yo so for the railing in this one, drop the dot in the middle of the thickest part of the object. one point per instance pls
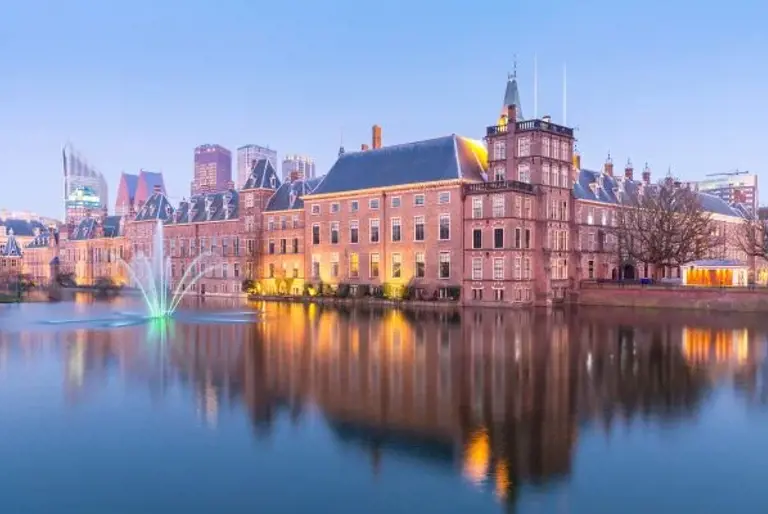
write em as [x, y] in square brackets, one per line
[496, 130]
[544, 125]
[498, 186]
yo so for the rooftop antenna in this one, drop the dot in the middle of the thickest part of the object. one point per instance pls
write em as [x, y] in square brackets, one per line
[535, 88]
[565, 97]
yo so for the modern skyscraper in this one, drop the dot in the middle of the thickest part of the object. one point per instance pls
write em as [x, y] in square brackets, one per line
[249, 155]
[734, 187]
[85, 189]
[213, 169]
[298, 167]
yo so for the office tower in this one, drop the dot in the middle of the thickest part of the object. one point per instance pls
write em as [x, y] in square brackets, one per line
[134, 190]
[213, 169]
[85, 189]
[735, 187]
[298, 167]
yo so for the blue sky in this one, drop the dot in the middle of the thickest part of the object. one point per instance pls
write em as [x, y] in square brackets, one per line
[139, 84]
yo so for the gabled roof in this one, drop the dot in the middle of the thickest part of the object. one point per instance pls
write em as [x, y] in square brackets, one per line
[40, 241]
[23, 228]
[157, 207]
[111, 226]
[86, 229]
[208, 207]
[444, 158]
[131, 182]
[263, 176]
[290, 195]
[11, 248]
[152, 180]
[597, 186]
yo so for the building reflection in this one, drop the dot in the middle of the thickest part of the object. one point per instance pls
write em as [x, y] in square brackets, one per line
[499, 396]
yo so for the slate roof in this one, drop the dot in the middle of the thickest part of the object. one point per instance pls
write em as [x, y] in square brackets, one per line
[40, 241]
[290, 194]
[208, 207]
[157, 207]
[597, 186]
[263, 176]
[86, 229]
[152, 180]
[444, 158]
[23, 227]
[512, 97]
[11, 247]
[111, 226]
[131, 182]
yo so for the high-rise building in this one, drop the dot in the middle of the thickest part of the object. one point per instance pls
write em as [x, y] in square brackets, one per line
[213, 169]
[134, 190]
[85, 189]
[298, 167]
[248, 156]
[735, 187]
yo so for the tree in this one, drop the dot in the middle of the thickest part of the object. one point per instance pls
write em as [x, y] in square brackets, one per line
[751, 238]
[665, 225]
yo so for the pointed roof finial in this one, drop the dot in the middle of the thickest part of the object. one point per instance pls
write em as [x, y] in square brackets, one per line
[629, 162]
[608, 159]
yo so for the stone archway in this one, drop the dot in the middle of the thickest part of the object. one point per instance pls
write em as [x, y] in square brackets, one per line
[628, 272]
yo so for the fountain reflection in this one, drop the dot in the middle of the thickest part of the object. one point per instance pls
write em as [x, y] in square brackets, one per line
[500, 397]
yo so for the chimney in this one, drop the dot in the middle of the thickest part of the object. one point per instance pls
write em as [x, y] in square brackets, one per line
[608, 167]
[363, 147]
[157, 189]
[294, 176]
[628, 170]
[646, 174]
[547, 118]
[376, 137]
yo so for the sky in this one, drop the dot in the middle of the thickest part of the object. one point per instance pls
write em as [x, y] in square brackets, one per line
[138, 84]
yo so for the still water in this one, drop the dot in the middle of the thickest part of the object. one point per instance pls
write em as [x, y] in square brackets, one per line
[318, 409]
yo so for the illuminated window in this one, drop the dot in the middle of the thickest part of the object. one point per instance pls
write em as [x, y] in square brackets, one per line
[354, 265]
[397, 265]
[374, 271]
[445, 265]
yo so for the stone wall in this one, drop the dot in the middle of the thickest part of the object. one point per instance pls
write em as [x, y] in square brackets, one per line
[661, 297]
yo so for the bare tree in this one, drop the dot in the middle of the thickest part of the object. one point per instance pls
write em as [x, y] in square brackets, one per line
[751, 238]
[665, 225]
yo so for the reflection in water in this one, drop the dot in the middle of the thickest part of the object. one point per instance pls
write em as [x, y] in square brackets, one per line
[498, 396]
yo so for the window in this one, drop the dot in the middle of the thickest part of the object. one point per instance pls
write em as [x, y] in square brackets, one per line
[316, 234]
[527, 209]
[545, 147]
[555, 147]
[444, 197]
[420, 270]
[418, 228]
[249, 201]
[527, 268]
[270, 224]
[315, 209]
[564, 181]
[295, 245]
[354, 231]
[545, 173]
[335, 232]
[271, 272]
[295, 221]
[295, 271]
[564, 212]
[498, 206]
[477, 293]
[499, 150]
[374, 271]
[396, 233]
[418, 200]
[524, 172]
[354, 265]
[518, 207]
[564, 150]
[554, 177]
[315, 266]
[477, 268]
[445, 227]
[334, 207]
[498, 238]
[518, 237]
[523, 147]
[397, 265]
[590, 215]
[477, 207]
[527, 244]
[334, 265]
[271, 246]
[283, 222]
[373, 204]
[477, 238]
[236, 270]
[498, 295]
[590, 269]
[445, 265]
[517, 268]
[498, 269]
[283, 245]
[374, 233]
[395, 202]
[354, 206]
[499, 172]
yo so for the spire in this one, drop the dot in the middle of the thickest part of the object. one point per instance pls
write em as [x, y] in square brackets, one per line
[341, 144]
[512, 94]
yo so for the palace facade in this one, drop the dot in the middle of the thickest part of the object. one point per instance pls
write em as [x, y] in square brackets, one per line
[513, 220]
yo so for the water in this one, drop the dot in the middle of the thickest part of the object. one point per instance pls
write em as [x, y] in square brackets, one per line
[316, 409]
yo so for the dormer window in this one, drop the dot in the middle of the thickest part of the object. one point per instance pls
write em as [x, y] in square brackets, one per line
[272, 181]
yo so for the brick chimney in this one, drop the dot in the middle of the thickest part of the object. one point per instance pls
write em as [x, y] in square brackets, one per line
[629, 170]
[157, 189]
[608, 167]
[294, 176]
[363, 147]
[376, 137]
[646, 174]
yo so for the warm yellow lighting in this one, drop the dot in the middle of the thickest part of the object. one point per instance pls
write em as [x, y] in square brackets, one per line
[502, 480]
[477, 456]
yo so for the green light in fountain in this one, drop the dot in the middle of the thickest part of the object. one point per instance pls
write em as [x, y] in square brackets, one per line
[151, 275]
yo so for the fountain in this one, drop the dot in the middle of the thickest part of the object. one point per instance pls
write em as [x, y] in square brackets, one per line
[152, 276]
